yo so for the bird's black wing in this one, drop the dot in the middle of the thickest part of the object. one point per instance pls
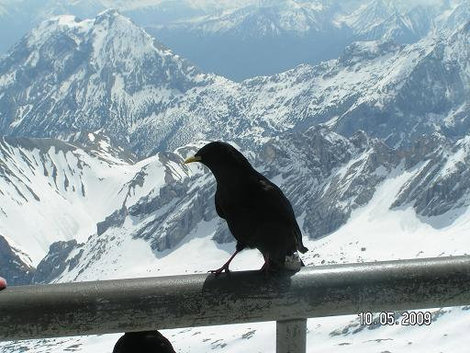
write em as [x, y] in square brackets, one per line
[217, 206]
[280, 200]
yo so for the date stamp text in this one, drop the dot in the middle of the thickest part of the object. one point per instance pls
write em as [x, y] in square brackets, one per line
[390, 318]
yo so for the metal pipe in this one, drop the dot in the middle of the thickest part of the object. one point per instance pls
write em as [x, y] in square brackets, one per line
[198, 300]
[291, 336]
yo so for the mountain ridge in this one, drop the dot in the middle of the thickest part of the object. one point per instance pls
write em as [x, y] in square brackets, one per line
[371, 86]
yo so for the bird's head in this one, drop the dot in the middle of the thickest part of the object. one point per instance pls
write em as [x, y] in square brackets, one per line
[219, 156]
[143, 342]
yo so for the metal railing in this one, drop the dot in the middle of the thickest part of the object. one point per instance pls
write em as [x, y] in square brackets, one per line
[139, 304]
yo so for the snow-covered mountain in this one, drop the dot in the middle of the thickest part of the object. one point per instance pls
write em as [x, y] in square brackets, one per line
[17, 17]
[246, 38]
[87, 75]
[371, 149]
[55, 191]
[272, 36]
[108, 74]
[405, 22]
[96, 195]
[373, 198]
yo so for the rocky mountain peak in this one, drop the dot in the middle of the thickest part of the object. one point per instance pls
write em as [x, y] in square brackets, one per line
[107, 15]
[71, 75]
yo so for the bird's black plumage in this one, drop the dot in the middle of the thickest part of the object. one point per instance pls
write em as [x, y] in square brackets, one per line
[257, 212]
[143, 342]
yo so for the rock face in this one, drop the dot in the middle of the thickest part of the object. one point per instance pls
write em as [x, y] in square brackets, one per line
[441, 183]
[325, 175]
[12, 266]
[56, 261]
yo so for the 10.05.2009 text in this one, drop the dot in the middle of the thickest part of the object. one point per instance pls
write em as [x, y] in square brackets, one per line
[390, 318]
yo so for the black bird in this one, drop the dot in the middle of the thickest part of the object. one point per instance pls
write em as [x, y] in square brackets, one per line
[257, 212]
[143, 342]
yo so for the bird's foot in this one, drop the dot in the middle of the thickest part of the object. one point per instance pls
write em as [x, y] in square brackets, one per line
[267, 264]
[220, 270]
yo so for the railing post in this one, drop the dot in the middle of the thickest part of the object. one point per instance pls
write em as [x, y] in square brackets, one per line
[291, 336]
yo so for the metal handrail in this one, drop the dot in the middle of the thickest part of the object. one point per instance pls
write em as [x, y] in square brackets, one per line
[138, 304]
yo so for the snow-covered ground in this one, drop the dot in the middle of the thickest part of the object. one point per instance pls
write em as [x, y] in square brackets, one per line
[374, 232]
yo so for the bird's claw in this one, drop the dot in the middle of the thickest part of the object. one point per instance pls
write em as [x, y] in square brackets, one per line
[220, 270]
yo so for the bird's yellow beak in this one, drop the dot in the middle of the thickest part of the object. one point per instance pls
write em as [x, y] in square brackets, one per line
[192, 159]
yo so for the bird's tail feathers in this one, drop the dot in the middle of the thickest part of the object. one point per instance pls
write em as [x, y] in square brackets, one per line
[298, 240]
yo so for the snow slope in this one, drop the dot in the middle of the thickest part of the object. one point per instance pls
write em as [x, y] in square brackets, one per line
[374, 233]
[52, 191]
